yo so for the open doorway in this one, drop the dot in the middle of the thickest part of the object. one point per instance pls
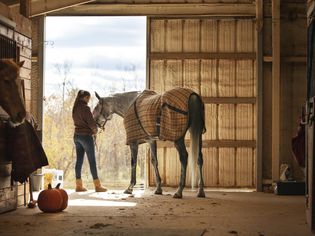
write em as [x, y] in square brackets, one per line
[103, 54]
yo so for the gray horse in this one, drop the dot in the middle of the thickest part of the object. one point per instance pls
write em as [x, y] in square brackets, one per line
[175, 112]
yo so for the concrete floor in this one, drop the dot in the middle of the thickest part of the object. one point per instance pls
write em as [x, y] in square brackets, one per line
[113, 213]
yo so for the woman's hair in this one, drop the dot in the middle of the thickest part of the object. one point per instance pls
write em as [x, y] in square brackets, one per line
[81, 94]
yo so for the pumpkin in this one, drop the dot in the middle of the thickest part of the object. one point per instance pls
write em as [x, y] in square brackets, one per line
[50, 200]
[64, 197]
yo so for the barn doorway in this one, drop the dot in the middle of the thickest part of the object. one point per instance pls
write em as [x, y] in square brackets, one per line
[103, 54]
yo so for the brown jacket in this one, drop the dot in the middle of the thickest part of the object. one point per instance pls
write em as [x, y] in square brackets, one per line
[84, 122]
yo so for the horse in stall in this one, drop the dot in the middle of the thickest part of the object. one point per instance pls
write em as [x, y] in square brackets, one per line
[10, 99]
[24, 147]
[149, 116]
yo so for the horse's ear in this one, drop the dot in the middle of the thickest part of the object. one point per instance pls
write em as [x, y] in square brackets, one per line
[21, 63]
[98, 96]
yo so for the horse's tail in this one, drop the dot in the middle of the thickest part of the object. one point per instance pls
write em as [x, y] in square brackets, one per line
[197, 128]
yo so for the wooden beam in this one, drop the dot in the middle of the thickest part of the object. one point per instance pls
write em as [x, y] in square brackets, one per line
[25, 8]
[213, 143]
[229, 143]
[40, 61]
[259, 92]
[229, 100]
[4, 10]
[297, 59]
[276, 90]
[161, 9]
[267, 58]
[23, 24]
[203, 55]
[11, 3]
[7, 22]
[42, 7]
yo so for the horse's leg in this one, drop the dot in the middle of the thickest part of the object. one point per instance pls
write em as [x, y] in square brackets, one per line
[201, 192]
[183, 156]
[134, 154]
[154, 162]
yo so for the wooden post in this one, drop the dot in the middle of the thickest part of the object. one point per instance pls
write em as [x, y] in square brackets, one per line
[276, 90]
[40, 61]
[259, 88]
[25, 8]
[141, 9]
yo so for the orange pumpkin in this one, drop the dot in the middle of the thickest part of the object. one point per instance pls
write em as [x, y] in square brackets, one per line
[64, 197]
[50, 200]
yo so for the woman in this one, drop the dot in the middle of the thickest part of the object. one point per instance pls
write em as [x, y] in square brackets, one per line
[85, 129]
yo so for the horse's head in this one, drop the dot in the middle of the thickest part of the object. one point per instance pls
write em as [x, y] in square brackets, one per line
[10, 97]
[103, 110]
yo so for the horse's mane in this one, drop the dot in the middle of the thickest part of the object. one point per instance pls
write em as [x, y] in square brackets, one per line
[125, 93]
[8, 63]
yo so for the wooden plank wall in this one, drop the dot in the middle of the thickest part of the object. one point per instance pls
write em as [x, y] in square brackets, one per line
[8, 195]
[292, 82]
[12, 197]
[37, 73]
[216, 58]
[24, 44]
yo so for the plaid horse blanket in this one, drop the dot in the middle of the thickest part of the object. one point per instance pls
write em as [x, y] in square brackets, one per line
[155, 116]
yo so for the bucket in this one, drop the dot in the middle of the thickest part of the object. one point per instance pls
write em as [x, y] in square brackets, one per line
[37, 182]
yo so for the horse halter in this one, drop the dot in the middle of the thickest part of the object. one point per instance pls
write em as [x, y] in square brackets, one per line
[5, 118]
[15, 124]
[101, 113]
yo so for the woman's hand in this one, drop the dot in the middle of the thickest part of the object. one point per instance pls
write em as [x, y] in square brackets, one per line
[94, 131]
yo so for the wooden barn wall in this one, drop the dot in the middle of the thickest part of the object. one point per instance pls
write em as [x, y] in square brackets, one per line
[25, 51]
[216, 58]
[37, 72]
[12, 197]
[293, 82]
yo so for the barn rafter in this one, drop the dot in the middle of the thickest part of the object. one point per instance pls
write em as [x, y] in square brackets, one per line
[148, 8]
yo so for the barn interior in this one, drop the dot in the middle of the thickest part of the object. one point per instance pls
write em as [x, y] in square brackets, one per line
[251, 62]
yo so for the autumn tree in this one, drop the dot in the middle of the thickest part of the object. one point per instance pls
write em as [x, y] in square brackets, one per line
[113, 156]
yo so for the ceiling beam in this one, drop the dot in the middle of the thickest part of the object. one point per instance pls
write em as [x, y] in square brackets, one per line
[25, 8]
[214, 9]
[42, 7]
[10, 3]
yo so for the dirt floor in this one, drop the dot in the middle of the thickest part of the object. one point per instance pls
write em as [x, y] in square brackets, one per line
[114, 213]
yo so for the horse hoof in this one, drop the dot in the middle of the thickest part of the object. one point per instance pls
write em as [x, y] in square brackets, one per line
[158, 192]
[201, 194]
[127, 191]
[177, 195]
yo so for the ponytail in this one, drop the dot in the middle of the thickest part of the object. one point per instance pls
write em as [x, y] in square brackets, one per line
[81, 94]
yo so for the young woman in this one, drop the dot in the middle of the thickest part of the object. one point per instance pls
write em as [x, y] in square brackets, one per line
[85, 129]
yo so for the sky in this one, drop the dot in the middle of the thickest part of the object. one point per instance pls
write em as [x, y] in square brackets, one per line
[105, 54]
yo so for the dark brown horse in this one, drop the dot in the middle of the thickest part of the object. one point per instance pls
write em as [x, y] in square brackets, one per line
[10, 98]
[175, 112]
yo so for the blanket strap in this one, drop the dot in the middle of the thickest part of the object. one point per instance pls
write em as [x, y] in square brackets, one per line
[138, 119]
[174, 108]
[158, 123]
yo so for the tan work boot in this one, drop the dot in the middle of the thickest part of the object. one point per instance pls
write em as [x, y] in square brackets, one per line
[79, 186]
[98, 186]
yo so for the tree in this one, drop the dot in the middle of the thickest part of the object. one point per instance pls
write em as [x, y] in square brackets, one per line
[113, 156]
[63, 70]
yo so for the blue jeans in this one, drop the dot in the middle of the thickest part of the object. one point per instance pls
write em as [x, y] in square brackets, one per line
[85, 144]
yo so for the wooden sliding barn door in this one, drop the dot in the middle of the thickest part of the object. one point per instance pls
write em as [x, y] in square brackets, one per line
[216, 58]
